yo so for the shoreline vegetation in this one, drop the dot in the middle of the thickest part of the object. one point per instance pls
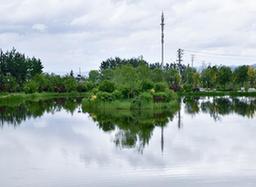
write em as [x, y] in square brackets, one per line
[7, 99]
[15, 99]
[121, 84]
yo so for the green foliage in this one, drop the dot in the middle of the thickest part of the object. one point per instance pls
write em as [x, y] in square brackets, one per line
[19, 66]
[157, 75]
[124, 78]
[117, 95]
[146, 97]
[187, 88]
[31, 87]
[107, 74]
[107, 86]
[166, 96]
[94, 76]
[241, 75]
[172, 78]
[70, 84]
[81, 87]
[8, 84]
[89, 85]
[125, 92]
[160, 87]
[209, 77]
[116, 62]
[104, 96]
[147, 85]
[127, 80]
[144, 100]
[224, 76]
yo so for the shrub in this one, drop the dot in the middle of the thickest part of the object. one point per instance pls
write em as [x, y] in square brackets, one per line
[164, 96]
[117, 94]
[31, 87]
[160, 87]
[143, 100]
[81, 87]
[124, 92]
[187, 88]
[104, 96]
[136, 103]
[89, 85]
[147, 85]
[107, 86]
[70, 84]
[146, 97]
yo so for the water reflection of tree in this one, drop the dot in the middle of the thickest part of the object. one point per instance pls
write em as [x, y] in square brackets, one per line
[192, 105]
[221, 106]
[15, 115]
[132, 129]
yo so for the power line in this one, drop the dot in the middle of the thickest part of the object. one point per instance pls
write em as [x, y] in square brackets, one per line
[203, 53]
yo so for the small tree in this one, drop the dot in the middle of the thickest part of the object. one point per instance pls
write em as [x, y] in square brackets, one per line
[107, 86]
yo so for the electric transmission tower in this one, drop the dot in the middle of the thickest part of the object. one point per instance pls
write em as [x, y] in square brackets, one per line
[162, 38]
[180, 55]
[192, 60]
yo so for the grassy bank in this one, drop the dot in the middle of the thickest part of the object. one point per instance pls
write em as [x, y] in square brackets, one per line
[19, 98]
[218, 93]
[7, 99]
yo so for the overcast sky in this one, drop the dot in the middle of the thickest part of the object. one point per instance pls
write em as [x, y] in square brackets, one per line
[69, 34]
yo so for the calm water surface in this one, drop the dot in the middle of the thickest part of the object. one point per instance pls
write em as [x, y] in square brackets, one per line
[207, 142]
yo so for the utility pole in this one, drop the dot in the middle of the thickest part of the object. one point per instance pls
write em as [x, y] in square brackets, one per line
[162, 139]
[162, 38]
[180, 55]
[80, 73]
[162, 65]
[192, 60]
[179, 60]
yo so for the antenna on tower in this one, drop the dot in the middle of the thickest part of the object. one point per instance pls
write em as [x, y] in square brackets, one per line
[162, 38]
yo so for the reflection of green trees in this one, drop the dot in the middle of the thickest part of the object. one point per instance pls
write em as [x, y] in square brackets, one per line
[191, 105]
[222, 106]
[133, 129]
[15, 115]
[245, 107]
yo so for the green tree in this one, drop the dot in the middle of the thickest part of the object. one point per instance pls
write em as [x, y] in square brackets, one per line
[224, 76]
[70, 84]
[209, 77]
[241, 75]
[126, 78]
[94, 76]
[107, 86]
[252, 76]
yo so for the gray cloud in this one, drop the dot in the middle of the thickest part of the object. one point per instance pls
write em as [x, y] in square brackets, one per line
[67, 35]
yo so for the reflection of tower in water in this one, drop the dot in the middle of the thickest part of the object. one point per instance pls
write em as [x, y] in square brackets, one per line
[162, 139]
[179, 115]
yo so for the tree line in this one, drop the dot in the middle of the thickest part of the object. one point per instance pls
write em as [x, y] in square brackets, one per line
[124, 78]
[16, 69]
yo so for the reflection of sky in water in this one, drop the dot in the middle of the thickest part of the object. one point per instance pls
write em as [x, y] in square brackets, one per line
[65, 150]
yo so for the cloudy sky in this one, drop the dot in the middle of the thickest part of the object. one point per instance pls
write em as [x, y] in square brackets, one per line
[81, 33]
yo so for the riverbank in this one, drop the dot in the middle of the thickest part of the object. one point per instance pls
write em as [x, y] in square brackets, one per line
[19, 98]
[218, 93]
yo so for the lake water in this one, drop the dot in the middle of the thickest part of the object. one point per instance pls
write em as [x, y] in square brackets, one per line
[55, 143]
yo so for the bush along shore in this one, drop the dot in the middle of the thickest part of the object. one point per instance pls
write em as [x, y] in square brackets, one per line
[154, 99]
